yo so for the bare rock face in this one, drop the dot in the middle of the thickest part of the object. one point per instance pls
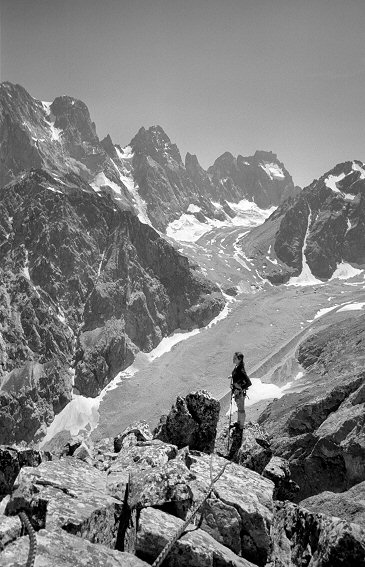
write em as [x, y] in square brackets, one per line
[254, 451]
[10, 530]
[240, 490]
[320, 431]
[60, 549]
[196, 548]
[12, 459]
[301, 537]
[192, 421]
[348, 505]
[76, 499]
[83, 284]
[278, 470]
[261, 178]
[139, 431]
[328, 216]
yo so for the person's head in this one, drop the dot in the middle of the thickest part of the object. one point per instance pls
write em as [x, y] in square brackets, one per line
[237, 357]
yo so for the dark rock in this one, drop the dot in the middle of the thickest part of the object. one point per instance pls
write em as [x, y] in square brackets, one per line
[348, 505]
[254, 451]
[192, 421]
[331, 221]
[12, 459]
[320, 431]
[139, 431]
[278, 471]
[261, 178]
[83, 453]
[315, 539]
[26, 499]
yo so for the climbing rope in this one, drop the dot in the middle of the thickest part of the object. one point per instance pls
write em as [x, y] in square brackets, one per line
[32, 539]
[188, 520]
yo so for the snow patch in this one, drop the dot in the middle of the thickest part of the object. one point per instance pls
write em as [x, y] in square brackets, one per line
[55, 132]
[26, 266]
[322, 312]
[126, 177]
[193, 209]
[306, 277]
[345, 271]
[124, 153]
[273, 170]
[82, 412]
[54, 190]
[352, 306]
[189, 229]
[358, 167]
[332, 180]
[257, 392]
[101, 180]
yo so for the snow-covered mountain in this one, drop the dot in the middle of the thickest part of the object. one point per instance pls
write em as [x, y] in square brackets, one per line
[316, 234]
[147, 176]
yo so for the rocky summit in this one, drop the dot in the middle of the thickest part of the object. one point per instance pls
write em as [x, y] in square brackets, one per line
[127, 500]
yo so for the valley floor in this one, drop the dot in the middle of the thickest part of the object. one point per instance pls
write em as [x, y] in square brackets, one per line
[267, 326]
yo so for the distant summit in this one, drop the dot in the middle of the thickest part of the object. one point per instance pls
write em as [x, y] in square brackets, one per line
[147, 177]
[316, 233]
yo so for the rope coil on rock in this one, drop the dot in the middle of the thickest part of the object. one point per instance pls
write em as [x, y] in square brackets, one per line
[32, 539]
[195, 510]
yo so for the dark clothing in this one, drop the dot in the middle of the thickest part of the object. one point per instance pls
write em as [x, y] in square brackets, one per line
[239, 376]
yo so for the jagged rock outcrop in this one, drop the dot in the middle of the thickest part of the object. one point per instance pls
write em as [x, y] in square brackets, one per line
[60, 549]
[83, 283]
[278, 471]
[320, 431]
[192, 421]
[348, 505]
[126, 506]
[301, 537]
[195, 548]
[323, 227]
[12, 459]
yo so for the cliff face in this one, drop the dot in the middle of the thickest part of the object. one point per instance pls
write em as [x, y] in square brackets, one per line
[321, 429]
[261, 178]
[323, 226]
[83, 284]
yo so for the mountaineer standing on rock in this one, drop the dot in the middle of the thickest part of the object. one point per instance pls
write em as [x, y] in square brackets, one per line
[239, 384]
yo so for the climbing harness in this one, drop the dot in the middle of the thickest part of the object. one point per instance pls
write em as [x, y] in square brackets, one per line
[32, 538]
[188, 520]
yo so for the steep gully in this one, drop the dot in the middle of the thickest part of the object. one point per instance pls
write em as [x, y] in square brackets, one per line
[266, 322]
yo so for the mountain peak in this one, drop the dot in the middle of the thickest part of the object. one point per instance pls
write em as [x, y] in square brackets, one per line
[156, 143]
[265, 155]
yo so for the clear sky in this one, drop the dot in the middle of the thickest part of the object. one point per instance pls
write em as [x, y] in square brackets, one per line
[217, 75]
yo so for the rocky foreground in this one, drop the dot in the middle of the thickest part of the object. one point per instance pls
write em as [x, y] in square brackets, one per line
[121, 501]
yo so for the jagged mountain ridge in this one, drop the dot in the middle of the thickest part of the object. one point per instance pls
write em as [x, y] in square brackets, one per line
[84, 284]
[148, 176]
[323, 226]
